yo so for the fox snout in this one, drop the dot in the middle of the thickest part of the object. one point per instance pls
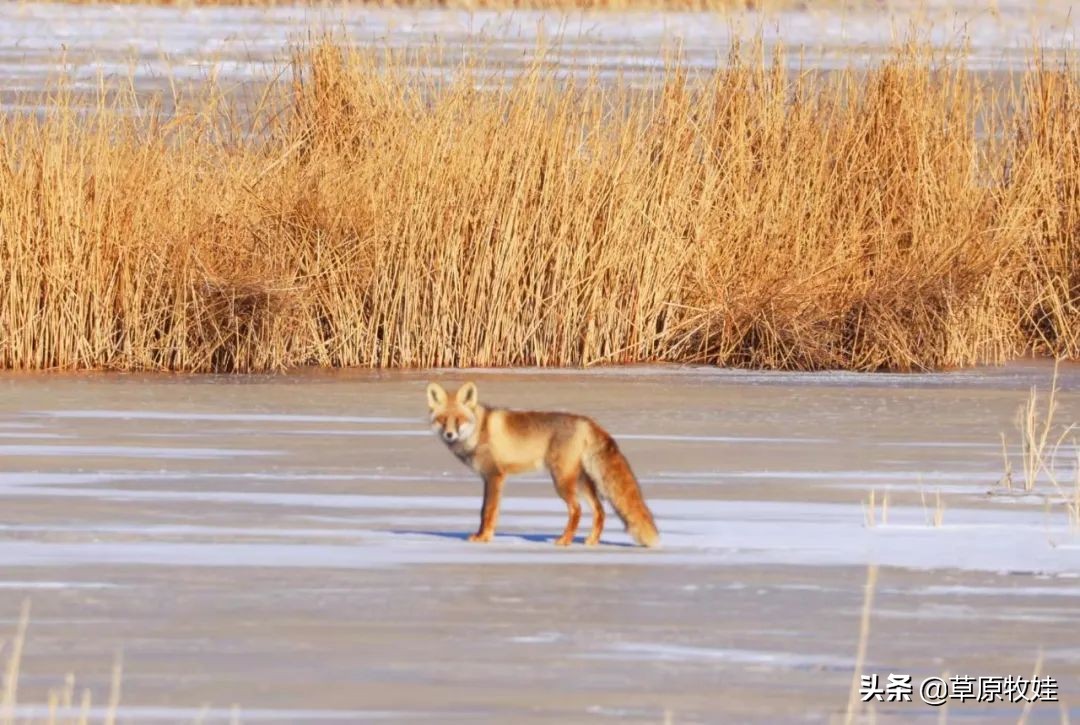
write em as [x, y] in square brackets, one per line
[449, 436]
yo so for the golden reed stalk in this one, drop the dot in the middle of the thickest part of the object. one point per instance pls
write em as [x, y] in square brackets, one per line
[912, 216]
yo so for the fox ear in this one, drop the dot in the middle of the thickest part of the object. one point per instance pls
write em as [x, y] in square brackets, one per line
[436, 396]
[467, 396]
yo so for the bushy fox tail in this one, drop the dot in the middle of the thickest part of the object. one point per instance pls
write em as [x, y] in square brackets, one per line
[608, 468]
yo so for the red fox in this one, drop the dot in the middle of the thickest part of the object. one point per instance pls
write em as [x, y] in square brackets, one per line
[575, 450]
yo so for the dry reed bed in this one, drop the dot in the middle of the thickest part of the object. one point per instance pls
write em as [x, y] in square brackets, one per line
[915, 216]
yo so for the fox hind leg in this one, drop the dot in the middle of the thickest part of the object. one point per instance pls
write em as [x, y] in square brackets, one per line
[597, 511]
[566, 487]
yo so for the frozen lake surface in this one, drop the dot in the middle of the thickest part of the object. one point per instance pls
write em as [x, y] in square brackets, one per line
[294, 545]
[246, 44]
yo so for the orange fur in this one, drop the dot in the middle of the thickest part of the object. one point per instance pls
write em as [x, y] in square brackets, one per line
[576, 451]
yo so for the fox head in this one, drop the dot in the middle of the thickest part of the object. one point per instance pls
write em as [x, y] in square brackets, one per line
[453, 418]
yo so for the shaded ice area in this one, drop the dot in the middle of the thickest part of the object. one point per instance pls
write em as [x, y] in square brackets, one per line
[210, 714]
[240, 44]
[294, 544]
[695, 533]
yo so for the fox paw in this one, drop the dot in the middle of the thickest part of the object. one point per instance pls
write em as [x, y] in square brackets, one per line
[564, 541]
[480, 537]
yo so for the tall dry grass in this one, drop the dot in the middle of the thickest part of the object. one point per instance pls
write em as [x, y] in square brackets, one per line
[1044, 443]
[64, 706]
[912, 216]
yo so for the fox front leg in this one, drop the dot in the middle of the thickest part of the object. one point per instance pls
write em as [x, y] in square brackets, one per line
[489, 513]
